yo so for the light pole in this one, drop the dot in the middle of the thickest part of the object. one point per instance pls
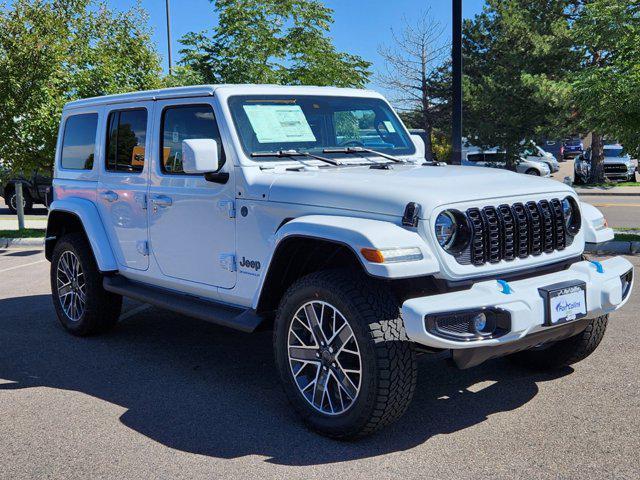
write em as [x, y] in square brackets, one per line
[456, 60]
[169, 37]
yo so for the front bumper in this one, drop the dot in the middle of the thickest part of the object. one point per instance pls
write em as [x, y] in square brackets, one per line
[523, 303]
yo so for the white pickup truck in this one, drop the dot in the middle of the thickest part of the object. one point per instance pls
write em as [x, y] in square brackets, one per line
[312, 211]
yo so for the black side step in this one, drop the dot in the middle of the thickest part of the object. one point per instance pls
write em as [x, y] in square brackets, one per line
[245, 320]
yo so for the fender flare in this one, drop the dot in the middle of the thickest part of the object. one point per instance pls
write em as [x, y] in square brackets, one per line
[592, 219]
[87, 213]
[357, 233]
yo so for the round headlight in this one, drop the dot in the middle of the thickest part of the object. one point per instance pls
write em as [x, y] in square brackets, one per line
[452, 231]
[446, 229]
[571, 213]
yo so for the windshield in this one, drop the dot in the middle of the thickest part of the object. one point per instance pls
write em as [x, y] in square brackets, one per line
[312, 123]
[614, 152]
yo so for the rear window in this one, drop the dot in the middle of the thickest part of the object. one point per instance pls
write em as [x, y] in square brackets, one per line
[78, 143]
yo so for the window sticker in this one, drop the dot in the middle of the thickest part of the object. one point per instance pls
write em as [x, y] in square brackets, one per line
[279, 123]
[389, 126]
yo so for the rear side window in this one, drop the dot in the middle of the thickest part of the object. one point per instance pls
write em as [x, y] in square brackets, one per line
[475, 157]
[78, 143]
[126, 138]
[181, 123]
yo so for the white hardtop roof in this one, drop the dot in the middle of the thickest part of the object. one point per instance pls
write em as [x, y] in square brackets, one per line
[226, 89]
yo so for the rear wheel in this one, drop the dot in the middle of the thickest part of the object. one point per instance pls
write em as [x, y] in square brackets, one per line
[565, 352]
[345, 361]
[83, 306]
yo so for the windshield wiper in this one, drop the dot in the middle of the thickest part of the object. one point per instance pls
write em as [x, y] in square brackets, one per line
[294, 153]
[362, 150]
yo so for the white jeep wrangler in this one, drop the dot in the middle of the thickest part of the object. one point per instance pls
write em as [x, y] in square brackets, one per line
[312, 211]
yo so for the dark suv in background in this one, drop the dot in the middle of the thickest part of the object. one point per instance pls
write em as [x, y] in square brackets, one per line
[34, 190]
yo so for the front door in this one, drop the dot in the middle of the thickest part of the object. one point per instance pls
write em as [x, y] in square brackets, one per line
[191, 220]
[123, 182]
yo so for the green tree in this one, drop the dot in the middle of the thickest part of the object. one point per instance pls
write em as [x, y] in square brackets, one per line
[518, 59]
[606, 87]
[55, 51]
[272, 41]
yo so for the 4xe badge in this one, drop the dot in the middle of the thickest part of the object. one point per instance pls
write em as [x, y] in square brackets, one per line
[251, 264]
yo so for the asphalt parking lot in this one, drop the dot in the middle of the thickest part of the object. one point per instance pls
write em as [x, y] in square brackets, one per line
[170, 397]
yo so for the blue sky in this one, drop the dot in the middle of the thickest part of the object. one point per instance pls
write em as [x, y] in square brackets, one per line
[360, 25]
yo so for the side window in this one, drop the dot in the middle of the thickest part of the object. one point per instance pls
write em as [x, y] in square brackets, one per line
[126, 137]
[78, 142]
[181, 123]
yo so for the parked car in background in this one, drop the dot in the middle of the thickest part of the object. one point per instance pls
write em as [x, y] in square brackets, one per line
[535, 153]
[34, 191]
[572, 148]
[618, 165]
[475, 157]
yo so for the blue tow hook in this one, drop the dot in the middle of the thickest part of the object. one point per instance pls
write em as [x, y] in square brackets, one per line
[506, 289]
[598, 266]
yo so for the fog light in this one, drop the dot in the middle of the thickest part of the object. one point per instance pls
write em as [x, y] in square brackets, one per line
[480, 323]
[468, 325]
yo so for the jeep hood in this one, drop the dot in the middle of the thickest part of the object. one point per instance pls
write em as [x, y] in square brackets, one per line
[387, 192]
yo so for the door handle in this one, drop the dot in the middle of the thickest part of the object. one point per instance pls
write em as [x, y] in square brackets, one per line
[161, 201]
[110, 196]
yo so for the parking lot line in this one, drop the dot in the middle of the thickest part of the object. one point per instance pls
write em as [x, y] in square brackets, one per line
[23, 265]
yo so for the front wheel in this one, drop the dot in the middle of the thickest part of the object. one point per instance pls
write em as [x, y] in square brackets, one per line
[565, 352]
[343, 355]
[533, 171]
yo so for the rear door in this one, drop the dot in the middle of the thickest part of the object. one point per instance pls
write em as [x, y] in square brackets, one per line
[123, 182]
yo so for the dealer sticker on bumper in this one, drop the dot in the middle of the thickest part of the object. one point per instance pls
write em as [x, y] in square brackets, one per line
[564, 302]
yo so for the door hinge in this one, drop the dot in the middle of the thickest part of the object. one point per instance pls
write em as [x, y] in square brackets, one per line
[229, 206]
[143, 247]
[228, 261]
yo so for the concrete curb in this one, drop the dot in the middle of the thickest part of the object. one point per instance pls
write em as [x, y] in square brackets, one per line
[21, 242]
[614, 246]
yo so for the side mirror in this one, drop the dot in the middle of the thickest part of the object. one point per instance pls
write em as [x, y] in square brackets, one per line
[418, 142]
[200, 155]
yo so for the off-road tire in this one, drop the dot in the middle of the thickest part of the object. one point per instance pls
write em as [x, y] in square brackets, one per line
[102, 308]
[11, 200]
[388, 359]
[565, 352]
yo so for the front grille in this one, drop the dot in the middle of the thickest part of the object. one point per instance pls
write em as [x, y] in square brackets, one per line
[615, 168]
[507, 232]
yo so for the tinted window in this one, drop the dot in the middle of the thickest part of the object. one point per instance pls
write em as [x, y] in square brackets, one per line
[182, 123]
[78, 143]
[127, 132]
[475, 157]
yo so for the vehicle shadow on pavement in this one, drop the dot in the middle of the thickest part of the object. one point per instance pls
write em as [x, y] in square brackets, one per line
[202, 389]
